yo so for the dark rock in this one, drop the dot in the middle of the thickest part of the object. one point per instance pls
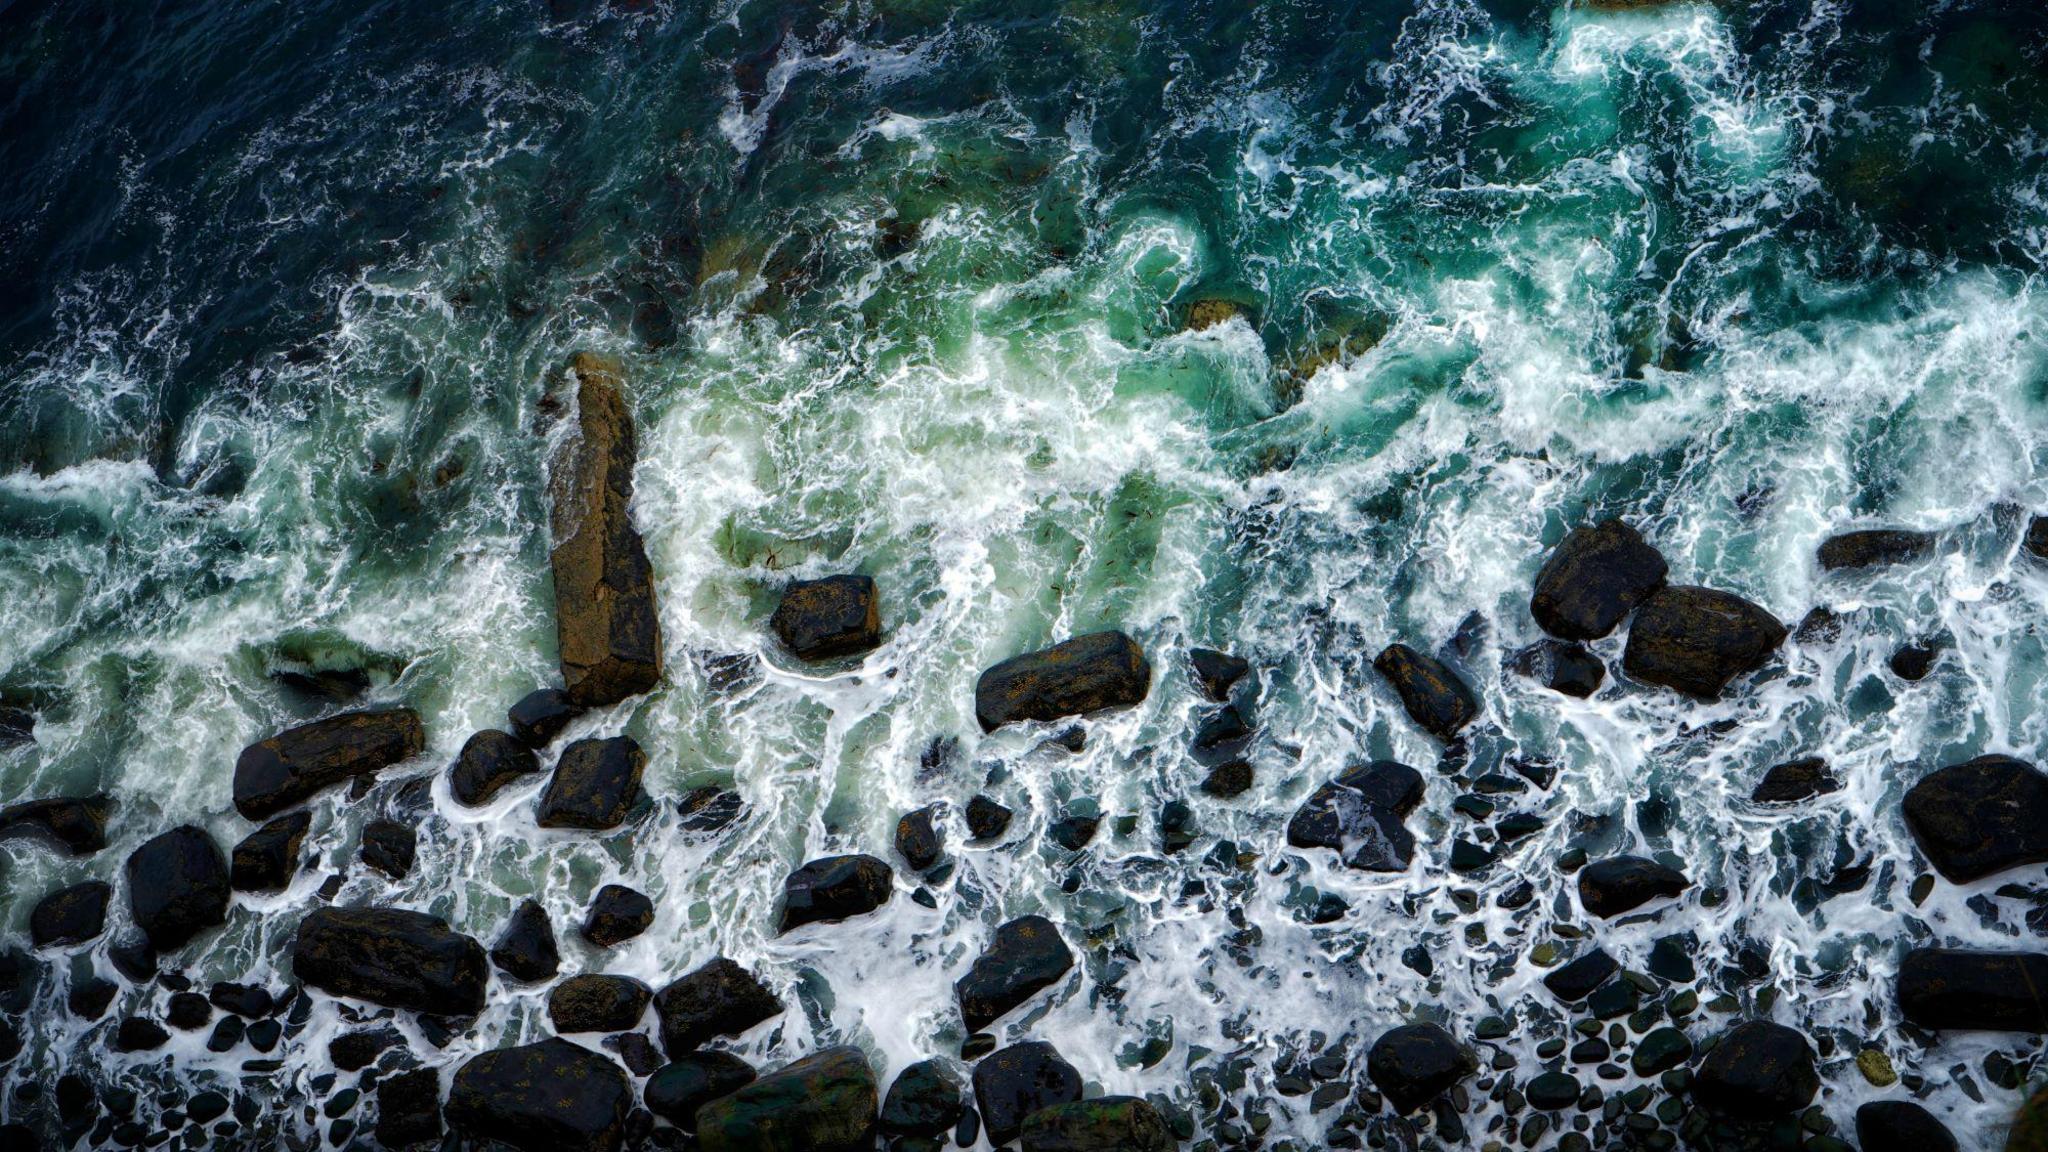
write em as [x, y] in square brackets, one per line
[1660, 1051]
[1980, 817]
[594, 785]
[2036, 539]
[1671, 958]
[925, 1100]
[642, 1056]
[1075, 830]
[134, 958]
[918, 839]
[1621, 884]
[389, 847]
[1012, 1083]
[1432, 694]
[1560, 666]
[829, 618]
[1222, 734]
[606, 625]
[17, 726]
[1943, 988]
[617, 914]
[1593, 579]
[251, 1000]
[1902, 1126]
[1696, 640]
[1874, 547]
[90, 998]
[70, 915]
[1082, 675]
[1229, 779]
[354, 1051]
[710, 808]
[1216, 672]
[1795, 780]
[1552, 1091]
[136, 1034]
[526, 948]
[268, 858]
[1360, 814]
[290, 767]
[540, 716]
[1415, 1063]
[1026, 956]
[392, 957]
[1104, 1124]
[1913, 662]
[987, 819]
[1177, 827]
[553, 1096]
[323, 685]
[824, 1102]
[718, 999]
[1575, 981]
[208, 1106]
[177, 886]
[409, 1108]
[77, 826]
[598, 1003]
[187, 1011]
[489, 760]
[2030, 1125]
[677, 1089]
[1758, 1071]
[834, 888]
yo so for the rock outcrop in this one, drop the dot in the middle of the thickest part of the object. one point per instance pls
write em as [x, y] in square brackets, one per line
[1104, 1124]
[1621, 884]
[1012, 1083]
[824, 1102]
[1216, 673]
[1696, 640]
[1026, 956]
[925, 1100]
[918, 839]
[1874, 548]
[526, 949]
[71, 915]
[289, 768]
[617, 914]
[553, 1096]
[1415, 1063]
[1980, 817]
[830, 618]
[177, 886]
[266, 860]
[1795, 780]
[834, 888]
[1900, 1126]
[1082, 675]
[393, 957]
[540, 716]
[1593, 579]
[596, 1002]
[680, 1087]
[79, 826]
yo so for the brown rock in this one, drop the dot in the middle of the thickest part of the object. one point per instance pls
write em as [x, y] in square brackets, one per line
[1082, 675]
[829, 618]
[290, 767]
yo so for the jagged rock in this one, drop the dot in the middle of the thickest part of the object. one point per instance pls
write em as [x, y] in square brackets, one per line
[2036, 539]
[710, 808]
[594, 785]
[177, 886]
[268, 858]
[987, 819]
[834, 888]
[1076, 828]
[1026, 956]
[1012, 1083]
[90, 998]
[918, 839]
[1758, 1071]
[1980, 817]
[718, 999]
[1795, 780]
[1361, 814]
[1696, 640]
[290, 767]
[541, 715]
[1104, 1124]
[605, 620]
[1621, 884]
[1223, 734]
[598, 1003]
[1433, 695]
[409, 1108]
[70, 915]
[1992, 991]
[1561, 666]
[1082, 675]
[1874, 547]
[553, 1096]
[1229, 779]
[1216, 673]
[824, 1102]
[1900, 1126]
[389, 847]
[829, 618]
[1575, 981]
[526, 949]
[1415, 1063]
[77, 826]
[392, 957]
[1593, 579]
[925, 1100]
[134, 958]
[355, 1051]
[677, 1089]
[617, 914]
[489, 760]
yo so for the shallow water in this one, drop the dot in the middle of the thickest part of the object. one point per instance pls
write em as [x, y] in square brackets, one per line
[901, 288]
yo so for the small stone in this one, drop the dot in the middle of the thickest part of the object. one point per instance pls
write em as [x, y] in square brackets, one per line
[986, 819]
[918, 840]
[1876, 1068]
[617, 915]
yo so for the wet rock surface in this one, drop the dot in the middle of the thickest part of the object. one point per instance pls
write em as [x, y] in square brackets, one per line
[1433, 695]
[918, 839]
[389, 847]
[1900, 1126]
[1104, 1124]
[1980, 817]
[1964, 989]
[827, 619]
[1757, 1071]
[1024, 957]
[617, 914]
[393, 957]
[925, 1100]
[596, 1002]
[1416, 1063]
[1795, 780]
[540, 716]
[266, 860]
[718, 999]
[677, 1089]
[1697, 640]
[71, 915]
[1874, 548]
[526, 949]
[1361, 814]
[594, 786]
[490, 760]
[1012, 1083]
[295, 765]
[1073, 678]
[1621, 884]
[824, 1102]
[1216, 673]
[1593, 579]
[542, 1097]
[835, 888]
[409, 1108]
[1565, 668]
[76, 826]
[177, 886]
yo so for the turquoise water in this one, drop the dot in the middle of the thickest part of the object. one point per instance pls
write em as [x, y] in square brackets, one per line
[909, 289]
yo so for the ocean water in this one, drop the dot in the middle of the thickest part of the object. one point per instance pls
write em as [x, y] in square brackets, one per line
[905, 289]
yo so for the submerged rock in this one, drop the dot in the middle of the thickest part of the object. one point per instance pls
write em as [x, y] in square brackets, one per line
[1874, 547]
[389, 847]
[1795, 780]
[1621, 884]
[710, 808]
[268, 858]
[1082, 675]
[1104, 1124]
[1900, 1126]
[1360, 814]
[177, 886]
[1012, 1083]
[824, 1102]
[605, 620]
[594, 785]
[1216, 673]
[1568, 669]
[526, 948]
[1913, 662]
[77, 826]
[393, 957]
[541, 715]
[834, 888]
[925, 1100]
[409, 1108]
[1228, 780]
[617, 914]
[1593, 579]
[1980, 817]
[70, 915]
[677, 1089]
[918, 839]
[830, 618]
[290, 767]
[1026, 956]
[1415, 1063]
[1696, 640]
[718, 999]
[1433, 695]
[1757, 1071]
[1948, 988]
[595, 1002]
[553, 1096]
[489, 760]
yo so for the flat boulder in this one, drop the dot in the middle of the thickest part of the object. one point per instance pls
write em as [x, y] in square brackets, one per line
[718, 999]
[1104, 1124]
[393, 957]
[489, 761]
[1696, 640]
[1361, 815]
[830, 618]
[526, 949]
[1012, 1083]
[594, 785]
[824, 1102]
[677, 1089]
[605, 620]
[1874, 548]
[1758, 1071]
[1900, 1126]
[70, 915]
[177, 886]
[79, 826]
[1593, 579]
[1795, 780]
[1951, 988]
[266, 860]
[595, 1002]
[553, 1096]
[1415, 1063]
[1433, 695]
[289, 768]
[1621, 884]
[1026, 956]
[1980, 817]
[834, 888]
[541, 715]
[1073, 678]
